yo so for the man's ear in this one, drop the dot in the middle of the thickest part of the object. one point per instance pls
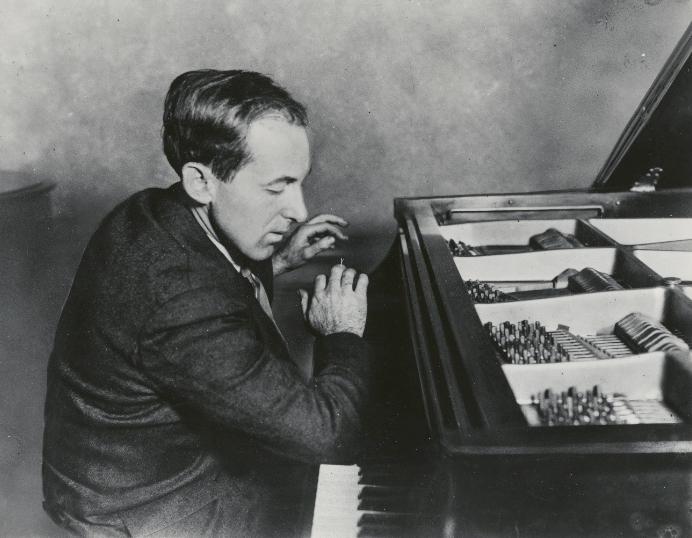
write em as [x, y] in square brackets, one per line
[199, 182]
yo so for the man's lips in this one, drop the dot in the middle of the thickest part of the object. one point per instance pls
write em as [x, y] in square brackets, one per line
[275, 237]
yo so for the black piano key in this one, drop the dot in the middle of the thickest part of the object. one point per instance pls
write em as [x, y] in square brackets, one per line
[383, 532]
[384, 521]
[372, 500]
[389, 473]
[383, 492]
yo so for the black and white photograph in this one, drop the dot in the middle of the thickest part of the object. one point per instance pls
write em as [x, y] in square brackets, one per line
[366, 268]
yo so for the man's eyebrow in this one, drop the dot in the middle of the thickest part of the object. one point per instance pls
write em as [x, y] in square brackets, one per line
[287, 179]
[282, 179]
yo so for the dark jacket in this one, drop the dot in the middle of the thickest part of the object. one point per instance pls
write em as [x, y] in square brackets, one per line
[166, 373]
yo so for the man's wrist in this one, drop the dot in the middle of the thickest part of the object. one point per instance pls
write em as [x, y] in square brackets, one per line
[279, 265]
[350, 330]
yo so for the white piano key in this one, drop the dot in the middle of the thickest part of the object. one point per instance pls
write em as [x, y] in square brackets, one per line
[336, 502]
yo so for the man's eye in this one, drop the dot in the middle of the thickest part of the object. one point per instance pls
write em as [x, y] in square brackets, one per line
[275, 191]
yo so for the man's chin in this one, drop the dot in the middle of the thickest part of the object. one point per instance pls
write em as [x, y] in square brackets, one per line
[261, 253]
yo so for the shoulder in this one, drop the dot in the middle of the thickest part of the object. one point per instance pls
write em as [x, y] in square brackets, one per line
[151, 247]
[139, 233]
[136, 219]
[150, 214]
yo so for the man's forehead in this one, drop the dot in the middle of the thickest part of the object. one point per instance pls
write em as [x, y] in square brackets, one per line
[273, 141]
[274, 132]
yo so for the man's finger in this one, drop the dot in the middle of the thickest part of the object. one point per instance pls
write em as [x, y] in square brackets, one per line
[347, 278]
[362, 284]
[304, 299]
[325, 217]
[323, 228]
[313, 250]
[320, 284]
[335, 278]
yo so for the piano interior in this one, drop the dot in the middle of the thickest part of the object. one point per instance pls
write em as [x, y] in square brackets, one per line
[583, 315]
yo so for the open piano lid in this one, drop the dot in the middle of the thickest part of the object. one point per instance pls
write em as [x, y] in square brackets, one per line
[659, 135]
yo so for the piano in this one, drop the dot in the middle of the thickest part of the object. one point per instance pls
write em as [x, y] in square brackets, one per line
[537, 346]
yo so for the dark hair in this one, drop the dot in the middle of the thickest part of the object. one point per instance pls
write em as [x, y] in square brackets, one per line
[207, 112]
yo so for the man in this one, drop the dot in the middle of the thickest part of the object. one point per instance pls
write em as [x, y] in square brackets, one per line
[172, 399]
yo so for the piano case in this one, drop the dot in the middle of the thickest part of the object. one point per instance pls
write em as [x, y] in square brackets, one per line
[495, 307]
[550, 335]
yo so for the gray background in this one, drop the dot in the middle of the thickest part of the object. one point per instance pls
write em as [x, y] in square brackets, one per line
[406, 98]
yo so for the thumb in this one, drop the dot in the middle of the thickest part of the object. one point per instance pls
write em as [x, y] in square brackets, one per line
[304, 302]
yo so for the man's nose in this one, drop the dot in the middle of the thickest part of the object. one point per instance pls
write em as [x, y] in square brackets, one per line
[295, 208]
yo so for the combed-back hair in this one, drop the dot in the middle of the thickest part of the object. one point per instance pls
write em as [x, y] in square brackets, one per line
[207, 112]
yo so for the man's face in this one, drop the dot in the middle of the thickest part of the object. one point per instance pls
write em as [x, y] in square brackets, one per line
[256, 208]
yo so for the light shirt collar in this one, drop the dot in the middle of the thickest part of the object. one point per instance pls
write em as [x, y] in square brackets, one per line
[201, 215]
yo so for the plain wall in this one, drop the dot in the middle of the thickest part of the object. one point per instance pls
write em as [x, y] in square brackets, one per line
[406, 98]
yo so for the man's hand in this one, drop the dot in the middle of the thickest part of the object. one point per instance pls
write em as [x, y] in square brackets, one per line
[336, 306]
[308, 240]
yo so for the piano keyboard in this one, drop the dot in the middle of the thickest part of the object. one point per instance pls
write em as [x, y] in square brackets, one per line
[376, 501]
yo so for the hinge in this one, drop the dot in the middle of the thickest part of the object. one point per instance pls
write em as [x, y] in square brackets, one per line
[648, 182]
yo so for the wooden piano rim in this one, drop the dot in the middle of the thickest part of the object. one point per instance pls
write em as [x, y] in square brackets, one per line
[631, 439]
[660, 204]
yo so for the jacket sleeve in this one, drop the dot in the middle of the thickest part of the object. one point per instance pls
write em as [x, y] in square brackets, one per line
[202, 349]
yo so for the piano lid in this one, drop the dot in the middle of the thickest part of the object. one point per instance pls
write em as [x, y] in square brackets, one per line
[659, 135]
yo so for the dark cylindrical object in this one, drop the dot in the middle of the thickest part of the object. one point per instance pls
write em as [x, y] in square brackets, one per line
[25, 223]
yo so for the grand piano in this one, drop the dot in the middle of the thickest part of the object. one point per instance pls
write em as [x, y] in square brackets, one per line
[537, 376]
